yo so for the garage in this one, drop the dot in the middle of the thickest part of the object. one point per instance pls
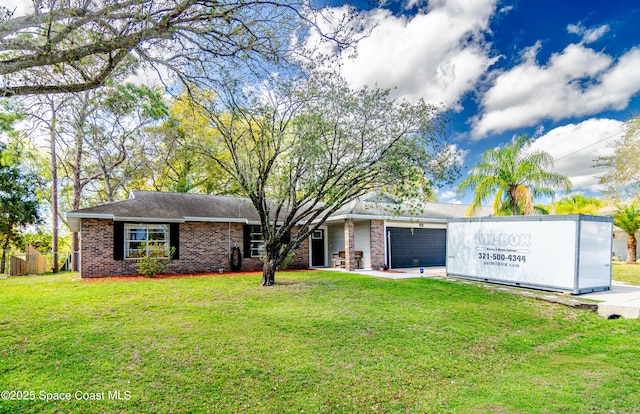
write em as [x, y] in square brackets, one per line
[416, 247]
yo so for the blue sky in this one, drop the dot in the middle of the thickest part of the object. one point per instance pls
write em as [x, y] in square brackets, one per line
[565, 73]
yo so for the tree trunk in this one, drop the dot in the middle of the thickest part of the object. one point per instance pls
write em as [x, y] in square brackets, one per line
[631, 248]
[271, 263]
[514, 201]
[75, 200]
[269, 272]
[274, 256]
[3, 265]
[5, 246]
[54, 190]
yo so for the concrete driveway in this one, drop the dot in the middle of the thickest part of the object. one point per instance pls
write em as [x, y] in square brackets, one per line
[622, 300]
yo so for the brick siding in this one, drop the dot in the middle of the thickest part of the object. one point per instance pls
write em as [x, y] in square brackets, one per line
[377, 236]
[349, 245]
[204, 247]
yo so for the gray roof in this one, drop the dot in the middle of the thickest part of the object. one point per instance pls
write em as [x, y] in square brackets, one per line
[406, 211]
[171, 207]
[180, 207]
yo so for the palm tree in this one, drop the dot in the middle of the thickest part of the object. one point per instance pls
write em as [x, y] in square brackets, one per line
[516, 175]
[628, 219]
[577, 204]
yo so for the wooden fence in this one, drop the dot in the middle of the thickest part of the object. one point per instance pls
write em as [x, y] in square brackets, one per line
[17, 266]
[34, 263]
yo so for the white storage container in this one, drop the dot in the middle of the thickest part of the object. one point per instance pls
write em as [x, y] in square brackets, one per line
[566, 253]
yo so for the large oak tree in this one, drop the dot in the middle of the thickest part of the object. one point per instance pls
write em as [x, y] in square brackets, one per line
[301, 147]
[623, 166]
[75, 45]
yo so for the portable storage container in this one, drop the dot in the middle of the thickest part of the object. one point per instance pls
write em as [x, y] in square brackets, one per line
[565, 253]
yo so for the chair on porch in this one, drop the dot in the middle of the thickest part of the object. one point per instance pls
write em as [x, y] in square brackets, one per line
[339, 260]
[358, 256]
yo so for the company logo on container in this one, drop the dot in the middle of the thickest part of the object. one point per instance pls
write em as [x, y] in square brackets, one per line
[503, 239]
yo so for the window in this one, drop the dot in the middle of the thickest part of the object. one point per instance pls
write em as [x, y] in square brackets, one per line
[142, 240]
[256, 242]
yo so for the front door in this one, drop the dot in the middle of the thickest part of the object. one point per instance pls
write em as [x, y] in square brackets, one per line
[317, 248]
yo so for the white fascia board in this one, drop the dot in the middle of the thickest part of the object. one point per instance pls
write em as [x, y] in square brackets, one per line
[416, 219]
[257, 223]
[386, 218]
[149, 219]
[90, 215]
[217, 220]
[74, 224]
[74, 219]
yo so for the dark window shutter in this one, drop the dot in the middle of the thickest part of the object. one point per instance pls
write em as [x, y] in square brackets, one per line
[246, 235]
[174, 240]
[118, 240]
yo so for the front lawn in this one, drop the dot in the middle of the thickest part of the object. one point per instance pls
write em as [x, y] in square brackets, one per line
[317, 342]
[628, 273]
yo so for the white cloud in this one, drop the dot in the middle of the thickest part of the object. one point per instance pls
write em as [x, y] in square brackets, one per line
[449, 196]
[576, 146]
[575, 82]
[439, 54]
[588, 35]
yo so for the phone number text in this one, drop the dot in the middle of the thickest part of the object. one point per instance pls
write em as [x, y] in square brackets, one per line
[503, 257]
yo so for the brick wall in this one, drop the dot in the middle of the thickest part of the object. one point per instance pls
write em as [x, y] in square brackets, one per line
[378, 253]
[204, 247]
[349, 245]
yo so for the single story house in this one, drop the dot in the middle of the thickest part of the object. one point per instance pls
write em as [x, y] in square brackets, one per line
[373, 232]
[620, 243]
[619, 236]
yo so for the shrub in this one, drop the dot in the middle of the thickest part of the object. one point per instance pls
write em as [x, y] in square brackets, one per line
[150, 265]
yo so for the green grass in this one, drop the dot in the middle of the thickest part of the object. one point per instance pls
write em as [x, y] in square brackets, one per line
[628, 273]
[318, 342]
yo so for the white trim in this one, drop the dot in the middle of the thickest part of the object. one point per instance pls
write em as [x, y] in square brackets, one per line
[390, 224]
[126, 240]
[416, 225]
[159, 219]
[325, 229]
[90, 215]
[217, 220]
[387, 248]
[125, 219]
[386, 256]
[74, 224]
[251, 241]
[74, 220]
[386, 218]
[148, 220]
